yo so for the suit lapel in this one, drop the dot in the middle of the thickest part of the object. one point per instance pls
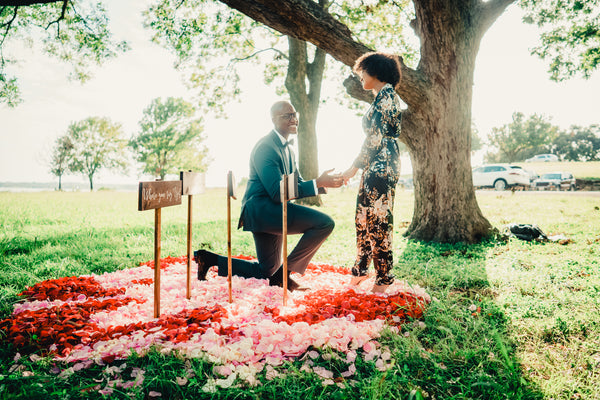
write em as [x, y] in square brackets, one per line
[285, 158]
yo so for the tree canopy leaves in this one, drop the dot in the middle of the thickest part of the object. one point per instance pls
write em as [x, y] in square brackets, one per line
[73, 31]
[570, 40]
[170, 139]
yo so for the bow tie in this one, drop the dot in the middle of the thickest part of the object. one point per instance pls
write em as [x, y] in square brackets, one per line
[289, 143]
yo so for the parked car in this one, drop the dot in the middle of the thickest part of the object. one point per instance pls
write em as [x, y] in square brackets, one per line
[532, 174]
[500, 176]
[555, 181]
[543, 158]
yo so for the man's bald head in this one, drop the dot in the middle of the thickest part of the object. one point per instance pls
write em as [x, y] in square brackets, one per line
[280, 107]
[285, 118]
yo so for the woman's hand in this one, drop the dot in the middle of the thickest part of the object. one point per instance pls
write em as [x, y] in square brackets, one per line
[349, 173]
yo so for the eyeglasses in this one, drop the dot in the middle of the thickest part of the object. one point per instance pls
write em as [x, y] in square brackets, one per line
[289, 116]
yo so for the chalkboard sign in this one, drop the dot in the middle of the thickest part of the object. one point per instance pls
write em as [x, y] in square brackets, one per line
[193, 182]
[158, 194]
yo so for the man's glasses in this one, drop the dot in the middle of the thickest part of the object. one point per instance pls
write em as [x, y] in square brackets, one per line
[289, 116]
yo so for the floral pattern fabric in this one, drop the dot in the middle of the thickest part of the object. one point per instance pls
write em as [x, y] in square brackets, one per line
[380, 161]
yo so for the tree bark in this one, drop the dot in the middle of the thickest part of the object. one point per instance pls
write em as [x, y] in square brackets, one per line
[306, 102]
[436, 127]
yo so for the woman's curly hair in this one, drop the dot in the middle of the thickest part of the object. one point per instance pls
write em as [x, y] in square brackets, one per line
[385, 67]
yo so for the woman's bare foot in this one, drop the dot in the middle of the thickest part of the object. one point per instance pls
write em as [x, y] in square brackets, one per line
[357, 280]
[379, 288]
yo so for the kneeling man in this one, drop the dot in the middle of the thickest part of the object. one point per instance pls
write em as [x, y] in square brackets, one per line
[261, 213]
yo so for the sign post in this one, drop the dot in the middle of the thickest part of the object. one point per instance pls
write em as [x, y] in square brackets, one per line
[191, 184]
[230, 195]
[154, 196]
[288, 189]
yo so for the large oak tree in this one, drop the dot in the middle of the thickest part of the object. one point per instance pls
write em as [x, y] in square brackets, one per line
[436, 127]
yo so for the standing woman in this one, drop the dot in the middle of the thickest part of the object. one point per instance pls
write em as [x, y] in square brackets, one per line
[379, 159]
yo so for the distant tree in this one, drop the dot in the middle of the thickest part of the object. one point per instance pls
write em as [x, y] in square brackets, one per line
[170, 138]
[476, 142]
[570, 39]
[578, 144]
[98, 144]
[513, 140]
[74, 31]
[62, 153]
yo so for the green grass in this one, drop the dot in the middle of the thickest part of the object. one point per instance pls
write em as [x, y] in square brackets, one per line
[537, 335]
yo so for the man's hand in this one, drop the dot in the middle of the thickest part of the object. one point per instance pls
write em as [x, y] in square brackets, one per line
[331, 181]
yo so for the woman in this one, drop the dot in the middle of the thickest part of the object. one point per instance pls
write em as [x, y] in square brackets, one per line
[379, 159]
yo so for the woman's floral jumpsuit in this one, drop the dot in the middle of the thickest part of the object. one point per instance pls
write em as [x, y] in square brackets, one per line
[380, 161]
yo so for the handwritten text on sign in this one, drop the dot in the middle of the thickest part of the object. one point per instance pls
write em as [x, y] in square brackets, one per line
[158, 194]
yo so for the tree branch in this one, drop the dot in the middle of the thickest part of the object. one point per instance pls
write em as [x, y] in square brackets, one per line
[8, 25]
[304, 20]
[490, 11]
[307, 21]
[62, 16]
[19, 3]
[236, 59]
[354, 88]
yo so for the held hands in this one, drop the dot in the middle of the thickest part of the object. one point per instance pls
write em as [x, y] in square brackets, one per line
[328, 180]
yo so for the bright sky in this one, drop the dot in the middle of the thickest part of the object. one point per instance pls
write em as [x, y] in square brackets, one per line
[507, 80]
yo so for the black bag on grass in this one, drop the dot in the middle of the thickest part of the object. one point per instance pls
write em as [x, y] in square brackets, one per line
[527, 232]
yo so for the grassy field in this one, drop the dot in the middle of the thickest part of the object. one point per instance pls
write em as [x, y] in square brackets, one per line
[536, 336]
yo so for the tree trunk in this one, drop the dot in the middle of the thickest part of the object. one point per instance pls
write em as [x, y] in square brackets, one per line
[91, 179]
[306, 102]
[436, 127]
[60, 183]
[438, 132]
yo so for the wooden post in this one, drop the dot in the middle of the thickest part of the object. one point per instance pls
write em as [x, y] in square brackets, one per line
[284, 196]
[288, 189]
[188, 291]
[230, 194]
[191, 183]
[153, 196]
[157, 247]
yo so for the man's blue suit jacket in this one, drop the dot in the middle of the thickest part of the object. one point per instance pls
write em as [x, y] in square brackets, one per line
[261, 205]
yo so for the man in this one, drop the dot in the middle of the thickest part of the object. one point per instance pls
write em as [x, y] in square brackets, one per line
[261, 212]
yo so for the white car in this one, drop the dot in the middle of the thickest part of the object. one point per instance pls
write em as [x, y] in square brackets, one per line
[543, 158]
[500, 176]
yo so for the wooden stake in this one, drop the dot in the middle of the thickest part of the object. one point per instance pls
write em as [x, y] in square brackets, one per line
[157, 263]
[285, 196]
[229, 272]
[230, 195]
[189, 250]
[191, 183]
